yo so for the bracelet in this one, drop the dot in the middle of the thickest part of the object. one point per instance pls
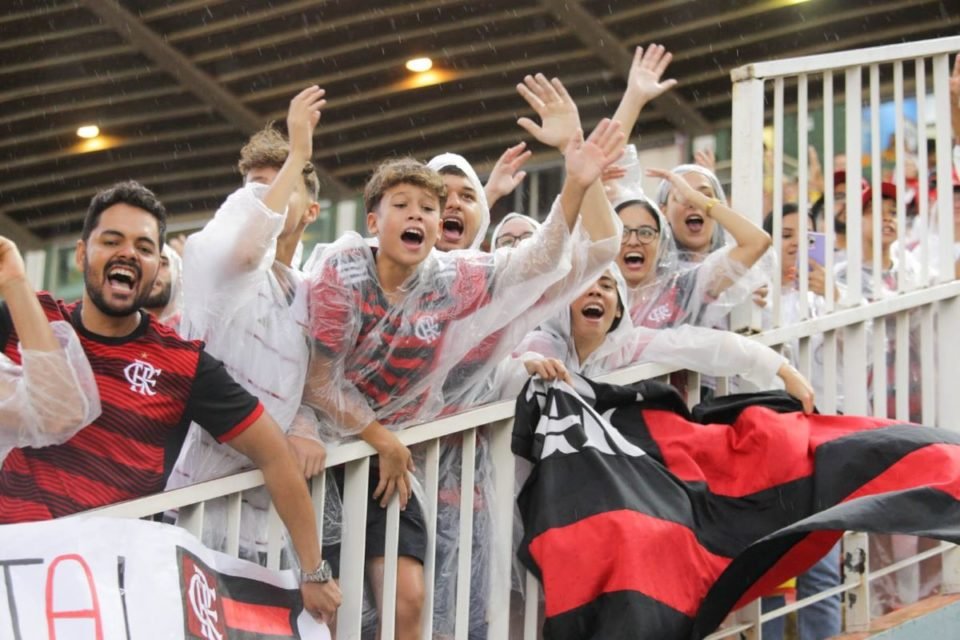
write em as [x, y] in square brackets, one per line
[711, 203]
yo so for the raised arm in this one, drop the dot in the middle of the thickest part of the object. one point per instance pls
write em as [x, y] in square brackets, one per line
[643, 85]
[752, 241]
[53, 393]
[507, 175]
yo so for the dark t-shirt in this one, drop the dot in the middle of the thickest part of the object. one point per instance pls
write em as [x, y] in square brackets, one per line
[152, 384]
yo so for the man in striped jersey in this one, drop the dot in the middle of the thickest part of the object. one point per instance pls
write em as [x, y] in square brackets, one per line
[152, 385]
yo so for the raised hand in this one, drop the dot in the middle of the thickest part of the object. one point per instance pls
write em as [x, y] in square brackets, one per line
[12, 271]
[302, 118]
[558, 113]
[647, 69]
[585, 160]
[682, 191]
[506, 174]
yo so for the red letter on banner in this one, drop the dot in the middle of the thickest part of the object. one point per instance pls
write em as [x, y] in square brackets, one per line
[92, 613]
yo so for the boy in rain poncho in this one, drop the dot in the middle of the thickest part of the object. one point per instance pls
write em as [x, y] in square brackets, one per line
[243, 297]
[396, 326]
[52, 394]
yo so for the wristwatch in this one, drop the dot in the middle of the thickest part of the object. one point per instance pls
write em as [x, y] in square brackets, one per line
[321, 574]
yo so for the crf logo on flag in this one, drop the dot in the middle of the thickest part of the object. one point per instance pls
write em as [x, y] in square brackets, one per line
[660, 314]
[203, 602]
[142, 377]
[203, 607]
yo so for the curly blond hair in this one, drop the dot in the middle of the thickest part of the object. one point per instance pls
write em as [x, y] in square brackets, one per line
[270, 148]
[392, 172]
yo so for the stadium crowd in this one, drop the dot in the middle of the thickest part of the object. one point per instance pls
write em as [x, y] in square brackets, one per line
[190, 360]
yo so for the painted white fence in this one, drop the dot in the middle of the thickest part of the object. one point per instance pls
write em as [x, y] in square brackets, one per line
[935, 304]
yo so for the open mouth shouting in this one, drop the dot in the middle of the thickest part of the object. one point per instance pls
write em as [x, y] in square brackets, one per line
[634, 260]
[593, 311]
[412, 238]
[694, 223]
[123, 279]
[452, 228]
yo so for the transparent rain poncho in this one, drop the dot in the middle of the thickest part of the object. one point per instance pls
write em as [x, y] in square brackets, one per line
[684, 292]
[719, 237]
[709, 351]
[441, 347]
[513, 215]
[251, 312]
[49, 397]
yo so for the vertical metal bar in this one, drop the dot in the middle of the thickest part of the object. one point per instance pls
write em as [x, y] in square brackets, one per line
[693, 388]
[928, 365]
[777, 199]
[856, 548]
[900, 155]
[830, 382]
[750, 614]
[535, 195]
[828, 196]
[948, 404]
[803, 158]
[501, 558]
[876, 178]
[854, 107]
[388, 619]
[902, 366]
[356, 486]
[190, 517]
[922, 224]
[465, 545]
[318, 495]
[531, 608]
[274, 538]
[941, 97]
[431, 489]
[234, 508]
[878, 367]
[747, 173]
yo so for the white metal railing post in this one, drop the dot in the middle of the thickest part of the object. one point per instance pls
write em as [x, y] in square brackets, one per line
[750, 614]
[747, 174]
[352, 547]
[503, 491]
[856, 563]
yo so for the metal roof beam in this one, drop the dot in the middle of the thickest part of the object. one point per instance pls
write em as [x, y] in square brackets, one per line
[187, 74]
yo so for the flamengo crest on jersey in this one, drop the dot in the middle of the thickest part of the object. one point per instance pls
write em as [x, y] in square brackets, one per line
[142, 377]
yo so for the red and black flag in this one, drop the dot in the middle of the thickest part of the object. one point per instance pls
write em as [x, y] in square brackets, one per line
[644, 520]
[220, 606]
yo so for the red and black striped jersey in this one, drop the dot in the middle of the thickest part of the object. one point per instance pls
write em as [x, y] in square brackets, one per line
[389, 350]
[152, 384]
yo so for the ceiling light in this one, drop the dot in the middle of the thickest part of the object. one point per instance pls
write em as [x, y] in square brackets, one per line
[419, 65]
[88, 131]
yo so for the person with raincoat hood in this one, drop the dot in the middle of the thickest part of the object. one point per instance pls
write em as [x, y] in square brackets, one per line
[51, 393]
[403, 333]
[245, 298]
[596, 335]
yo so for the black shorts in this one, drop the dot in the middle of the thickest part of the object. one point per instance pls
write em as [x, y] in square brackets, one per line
[413, 528]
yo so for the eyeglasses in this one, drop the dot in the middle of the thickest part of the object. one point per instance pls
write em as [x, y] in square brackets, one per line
[510, 240]
[645, 233]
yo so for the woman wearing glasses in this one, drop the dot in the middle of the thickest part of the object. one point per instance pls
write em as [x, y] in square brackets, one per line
[665, 290]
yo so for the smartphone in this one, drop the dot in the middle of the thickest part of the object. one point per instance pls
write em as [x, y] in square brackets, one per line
[817, 247]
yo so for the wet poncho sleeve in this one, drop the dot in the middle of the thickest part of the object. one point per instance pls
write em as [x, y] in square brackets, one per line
[50, 396]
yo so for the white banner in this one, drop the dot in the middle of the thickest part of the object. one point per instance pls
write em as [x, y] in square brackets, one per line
[116, 579]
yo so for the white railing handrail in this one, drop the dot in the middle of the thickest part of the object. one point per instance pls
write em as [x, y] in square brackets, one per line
[844, 59]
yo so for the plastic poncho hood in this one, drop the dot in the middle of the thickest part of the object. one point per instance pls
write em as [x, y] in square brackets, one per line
[513, 215]
[719, 238]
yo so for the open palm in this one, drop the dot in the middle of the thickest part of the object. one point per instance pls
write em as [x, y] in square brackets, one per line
[11, 263]
[646, 71]
[558, 113]
[585, 160]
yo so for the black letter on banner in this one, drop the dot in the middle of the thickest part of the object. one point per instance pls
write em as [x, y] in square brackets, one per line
[11, 600]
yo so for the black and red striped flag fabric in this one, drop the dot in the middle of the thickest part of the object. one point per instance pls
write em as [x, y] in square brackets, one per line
[233, 607]
[645, 520]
